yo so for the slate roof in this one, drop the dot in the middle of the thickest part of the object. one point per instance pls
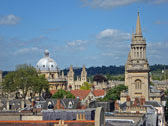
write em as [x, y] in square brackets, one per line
[153, 103]
[15, 104]
[147, 103]
[64, 103]
[154, 90]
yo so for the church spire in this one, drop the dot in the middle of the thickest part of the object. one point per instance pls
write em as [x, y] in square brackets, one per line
[138, 26]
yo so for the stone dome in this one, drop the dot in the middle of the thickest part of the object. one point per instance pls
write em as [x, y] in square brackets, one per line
[46, 63]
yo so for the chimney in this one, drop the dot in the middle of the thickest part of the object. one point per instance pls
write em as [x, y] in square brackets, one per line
[136, 101]
[33, 102]
[84, 118]
[7, 104]
[77, 116]
[58, 104]
[80, 116]
[128, 101]
[142, 101]
[22, 104]
[117, 105]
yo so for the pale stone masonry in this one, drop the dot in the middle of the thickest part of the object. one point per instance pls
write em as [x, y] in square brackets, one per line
[137, 67]
[76, 84]
[137, 76]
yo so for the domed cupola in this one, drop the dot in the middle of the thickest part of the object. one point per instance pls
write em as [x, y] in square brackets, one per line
[46, 63]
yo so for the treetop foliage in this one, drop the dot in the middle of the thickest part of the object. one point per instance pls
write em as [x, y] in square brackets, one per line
[85, 86]
[25, 78]
[62, 93]
[114, 93]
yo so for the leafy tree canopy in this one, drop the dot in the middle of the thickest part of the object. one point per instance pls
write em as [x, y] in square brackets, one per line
[24, 78]
[85, 86]
[114, 93]
[62, 93]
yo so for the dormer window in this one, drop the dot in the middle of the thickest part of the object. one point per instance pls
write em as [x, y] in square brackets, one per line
[70, 104]
[50, 105]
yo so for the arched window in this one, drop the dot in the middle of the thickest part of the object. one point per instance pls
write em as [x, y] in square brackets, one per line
[138, 84]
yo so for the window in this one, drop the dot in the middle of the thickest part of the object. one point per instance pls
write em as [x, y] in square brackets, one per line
[138, 84]
[70, 104]
[43, 65]
[52, 76]
[52, 66]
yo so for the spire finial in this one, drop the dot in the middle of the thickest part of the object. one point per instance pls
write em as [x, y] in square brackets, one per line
[46, 53]
[138, 11]
[138, 26]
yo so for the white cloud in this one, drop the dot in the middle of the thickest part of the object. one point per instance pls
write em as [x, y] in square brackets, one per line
[116, 3]
[26, 50]
[113, 33]
[9, 20]
[113, 38]
[77, 44]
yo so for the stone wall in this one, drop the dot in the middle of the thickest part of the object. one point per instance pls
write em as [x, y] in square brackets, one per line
[46, 123]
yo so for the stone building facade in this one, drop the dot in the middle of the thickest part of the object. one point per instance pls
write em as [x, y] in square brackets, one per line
[76, 84]
[137, 76]
[48, 67]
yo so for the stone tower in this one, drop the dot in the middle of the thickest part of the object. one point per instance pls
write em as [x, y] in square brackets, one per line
[70, 77]
[0, 76]
[83, 75]
[137, 67]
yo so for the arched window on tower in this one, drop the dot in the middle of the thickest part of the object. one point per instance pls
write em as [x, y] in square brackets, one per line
[138, 84]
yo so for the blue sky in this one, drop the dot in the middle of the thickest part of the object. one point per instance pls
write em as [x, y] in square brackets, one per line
[77, 32]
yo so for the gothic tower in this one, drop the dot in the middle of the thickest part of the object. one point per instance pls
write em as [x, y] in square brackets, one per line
[83, 75]
[0, 76]
[137, 67]
[70, 77]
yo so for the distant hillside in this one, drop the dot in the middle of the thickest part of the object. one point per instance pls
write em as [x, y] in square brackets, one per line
[113, 70]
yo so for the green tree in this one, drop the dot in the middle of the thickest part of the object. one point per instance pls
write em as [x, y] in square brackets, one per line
[39, 83]
[8, 83]
[62, 93]
[85, 86]
[24, 78]
[114, 93]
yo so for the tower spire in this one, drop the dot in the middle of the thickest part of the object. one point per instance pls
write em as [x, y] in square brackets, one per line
[138, 26]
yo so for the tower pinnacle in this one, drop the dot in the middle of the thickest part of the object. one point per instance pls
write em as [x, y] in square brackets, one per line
[138, 27]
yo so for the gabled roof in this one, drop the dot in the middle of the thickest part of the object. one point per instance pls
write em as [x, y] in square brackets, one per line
[82, 94]
[98, 93]
[153, 103]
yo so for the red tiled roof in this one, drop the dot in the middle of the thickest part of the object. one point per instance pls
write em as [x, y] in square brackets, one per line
[98, 93]
[80, 93]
